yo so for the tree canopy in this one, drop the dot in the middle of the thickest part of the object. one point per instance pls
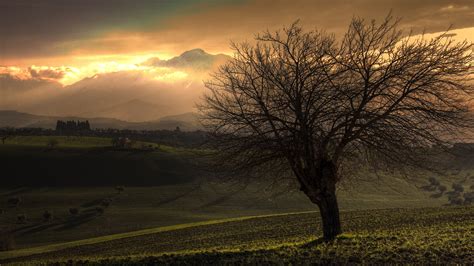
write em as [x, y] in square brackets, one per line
[304, 101]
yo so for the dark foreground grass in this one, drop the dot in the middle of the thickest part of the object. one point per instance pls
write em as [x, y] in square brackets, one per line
[428, 235]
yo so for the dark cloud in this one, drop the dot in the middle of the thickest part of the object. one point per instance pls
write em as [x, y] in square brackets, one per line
[38, 28]
[57, 27]
[46, 73]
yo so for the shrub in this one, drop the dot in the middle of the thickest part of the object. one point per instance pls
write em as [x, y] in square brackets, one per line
[455, 198]
[2, 211]
[458, 187]
[105, 203]
[433, 181]
[14, 201]
[74, 211]
[472, 187]
[468, 198]
[47, 216]
[442, 188]
[99, 210]
[119, 189]
[454, 194]
[21, 218]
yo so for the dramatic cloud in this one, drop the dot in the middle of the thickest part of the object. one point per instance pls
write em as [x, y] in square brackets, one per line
[40, 30]
[125, 59]
[46, 72]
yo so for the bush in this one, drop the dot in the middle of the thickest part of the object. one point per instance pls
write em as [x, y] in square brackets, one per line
[21, 218]
[74, 211]
[2, 211]
[14, 201]
[105, 203]
[47, 216]
[454, 195]
[455, 198]
[442, 188]
[458, 187]
[433, 181]
[99, 210]
[119, 189]
[468, 198]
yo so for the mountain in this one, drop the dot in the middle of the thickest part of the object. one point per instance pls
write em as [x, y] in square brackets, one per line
[187, 122]
[196, 60]
[127, 95]
[133, 111]
[163, 88]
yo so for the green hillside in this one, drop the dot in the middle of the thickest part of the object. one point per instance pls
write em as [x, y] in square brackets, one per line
[163, 187]
[90, 161]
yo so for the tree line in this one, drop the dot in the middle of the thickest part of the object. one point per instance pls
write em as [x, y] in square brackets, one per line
[71, 127]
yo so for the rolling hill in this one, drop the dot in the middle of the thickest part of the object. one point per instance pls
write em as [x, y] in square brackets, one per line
[186, 121]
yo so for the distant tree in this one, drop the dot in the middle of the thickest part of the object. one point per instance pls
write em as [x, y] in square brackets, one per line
[74, 211]
[115, 142]
[99, 210]
[52, 143]
[458, 187]
[433, 181]
[47, 216]
[119, 189]
[105, 203]
[21, 218]
[469, 197]
[14, 201]
[442, 188]
[302, 102]
[456, 200]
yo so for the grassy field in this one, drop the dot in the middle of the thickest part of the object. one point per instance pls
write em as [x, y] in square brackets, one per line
[91, 161]
[146, 207]
[162, 189]
[427, 235]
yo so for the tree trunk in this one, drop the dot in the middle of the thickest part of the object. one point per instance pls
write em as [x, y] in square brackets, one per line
[321, 190]
[329, 210]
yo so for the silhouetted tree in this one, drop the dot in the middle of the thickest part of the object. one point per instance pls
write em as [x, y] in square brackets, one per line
[304, 102]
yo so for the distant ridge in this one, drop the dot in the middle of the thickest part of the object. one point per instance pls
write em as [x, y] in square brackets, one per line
[11, 118]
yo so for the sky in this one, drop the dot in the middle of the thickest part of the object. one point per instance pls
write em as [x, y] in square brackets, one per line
[66, 41]
[68, 31]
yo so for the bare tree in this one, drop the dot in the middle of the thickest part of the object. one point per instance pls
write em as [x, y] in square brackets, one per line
[302, 101]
